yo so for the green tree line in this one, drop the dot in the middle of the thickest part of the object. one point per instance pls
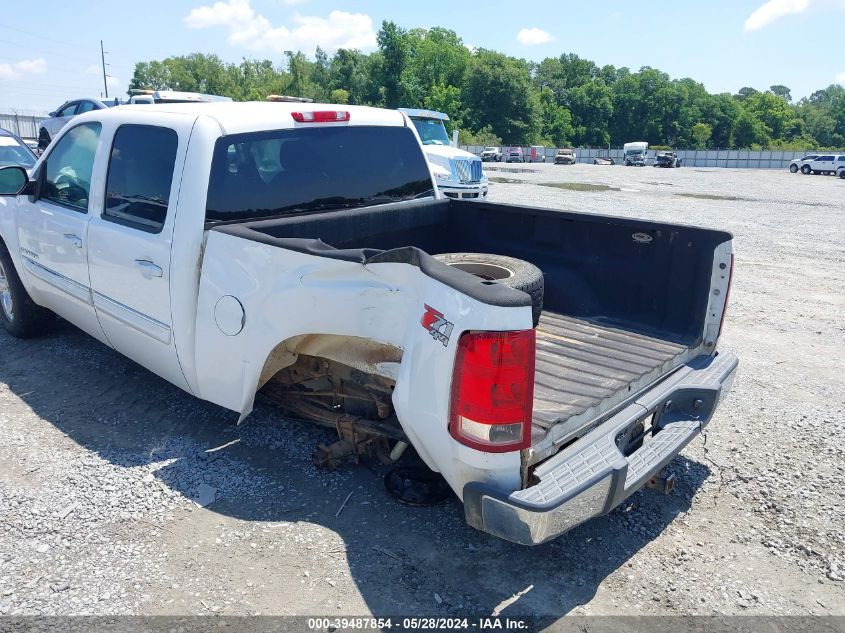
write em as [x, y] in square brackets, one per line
[492, 97]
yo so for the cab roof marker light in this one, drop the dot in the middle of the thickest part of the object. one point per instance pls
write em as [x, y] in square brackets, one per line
[321, 116]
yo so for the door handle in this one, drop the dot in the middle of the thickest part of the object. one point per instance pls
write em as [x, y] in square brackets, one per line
[148, 268]
[74, 239]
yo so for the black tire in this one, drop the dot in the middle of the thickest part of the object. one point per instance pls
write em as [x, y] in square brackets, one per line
[805, 169]
[793, 169]
[842, 174]
[19, 315]
[43, 139]
[513, 272]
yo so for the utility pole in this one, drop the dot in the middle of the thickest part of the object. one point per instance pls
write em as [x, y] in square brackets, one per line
[103, 58]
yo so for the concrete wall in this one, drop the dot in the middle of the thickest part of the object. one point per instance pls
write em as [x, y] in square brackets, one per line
[735, 158]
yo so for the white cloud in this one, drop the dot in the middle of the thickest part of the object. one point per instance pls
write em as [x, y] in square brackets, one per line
[254, 32]
[773, 10]
[23, 67]
[533, 37]
[840, 79]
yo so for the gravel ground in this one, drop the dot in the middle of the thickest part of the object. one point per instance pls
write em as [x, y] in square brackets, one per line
[101, 463]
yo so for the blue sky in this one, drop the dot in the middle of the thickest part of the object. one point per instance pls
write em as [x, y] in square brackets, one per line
[724, 44]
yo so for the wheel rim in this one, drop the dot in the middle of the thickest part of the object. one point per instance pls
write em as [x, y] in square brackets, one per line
[6, 303]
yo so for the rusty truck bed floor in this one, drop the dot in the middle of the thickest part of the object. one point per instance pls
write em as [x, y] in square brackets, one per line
[585, 369]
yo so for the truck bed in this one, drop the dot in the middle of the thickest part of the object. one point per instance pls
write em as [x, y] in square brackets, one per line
[584, 368]
[625, 299]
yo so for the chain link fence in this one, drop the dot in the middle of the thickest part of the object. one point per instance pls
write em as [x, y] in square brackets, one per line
[24, 123]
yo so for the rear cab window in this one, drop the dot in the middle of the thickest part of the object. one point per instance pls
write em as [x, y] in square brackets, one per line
[274, 173]
[140, 175]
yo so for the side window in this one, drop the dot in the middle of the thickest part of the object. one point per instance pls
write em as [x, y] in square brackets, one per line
[826, 158]
[85, 106]
[841, 159]
[68, 110]
[67, 180]
[140, 175]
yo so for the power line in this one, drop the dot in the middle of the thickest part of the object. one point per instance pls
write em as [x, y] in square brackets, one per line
[52, 39]
[50, 84]
[44, 50]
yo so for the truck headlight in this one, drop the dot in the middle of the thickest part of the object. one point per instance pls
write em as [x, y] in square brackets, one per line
[440, 173]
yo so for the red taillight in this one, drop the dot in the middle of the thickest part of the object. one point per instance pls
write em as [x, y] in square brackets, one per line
[493, 390]
[321, 116]
[727, 295]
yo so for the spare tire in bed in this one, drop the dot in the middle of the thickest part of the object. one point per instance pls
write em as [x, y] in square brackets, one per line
[510, 271]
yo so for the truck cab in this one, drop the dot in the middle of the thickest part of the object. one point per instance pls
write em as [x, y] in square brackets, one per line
[634, 154]
[458, 174]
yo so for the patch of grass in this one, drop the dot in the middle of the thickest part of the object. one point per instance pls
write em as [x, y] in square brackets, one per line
[710, 196]
[513, 170]
[579, 186]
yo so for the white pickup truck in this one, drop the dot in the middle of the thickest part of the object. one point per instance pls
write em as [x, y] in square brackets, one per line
[242, 249]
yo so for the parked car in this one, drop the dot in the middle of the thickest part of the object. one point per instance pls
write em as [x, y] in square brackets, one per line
[603, 160]
[826, 164]
[48, 128]
[565, 156]
[14, 151]
[667, 160]
[233, 248]
[458, 174]
[514, 155]
[491, 154]
[536, 154]
[796, 163]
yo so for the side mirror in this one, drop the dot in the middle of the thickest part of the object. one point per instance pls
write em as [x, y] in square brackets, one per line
[13, 180]
[51, 114]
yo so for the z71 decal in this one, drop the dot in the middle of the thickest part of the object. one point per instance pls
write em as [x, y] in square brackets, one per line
[437, 325]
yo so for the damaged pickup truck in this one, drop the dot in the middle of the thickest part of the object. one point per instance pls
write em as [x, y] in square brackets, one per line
[547, 364]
